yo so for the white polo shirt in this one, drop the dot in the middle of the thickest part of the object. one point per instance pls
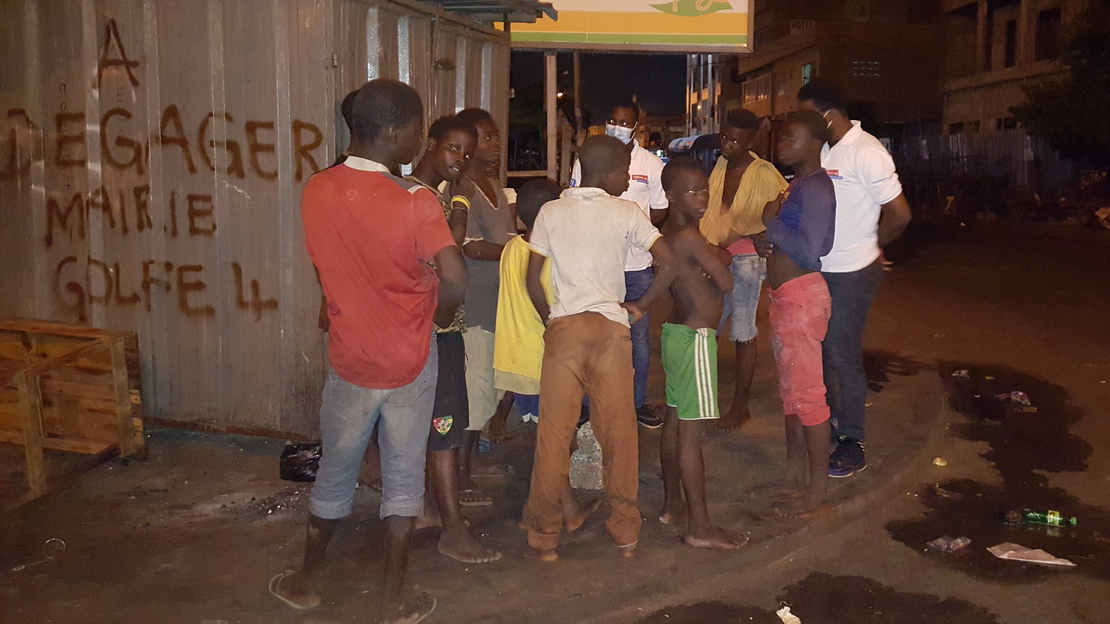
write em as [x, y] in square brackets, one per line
[588, 235]
[864, 178]
[645, 187]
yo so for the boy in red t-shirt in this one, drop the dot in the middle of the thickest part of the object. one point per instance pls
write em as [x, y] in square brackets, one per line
[373, 237]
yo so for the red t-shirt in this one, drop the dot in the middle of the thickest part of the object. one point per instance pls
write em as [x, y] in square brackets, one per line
[371, 236]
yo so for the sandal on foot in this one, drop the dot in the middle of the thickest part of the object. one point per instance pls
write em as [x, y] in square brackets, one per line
[275, 589]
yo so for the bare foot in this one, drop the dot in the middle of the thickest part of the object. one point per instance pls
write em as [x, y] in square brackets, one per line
[575, 521]
[673, 514]
[715, 537]
[734, 419]
[804, 508]
[295, 589]
[463, 547]
[783, 490]
[548, 556]
[413, 610]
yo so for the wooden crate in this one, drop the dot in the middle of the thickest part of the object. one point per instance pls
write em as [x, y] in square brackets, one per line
[68, 388]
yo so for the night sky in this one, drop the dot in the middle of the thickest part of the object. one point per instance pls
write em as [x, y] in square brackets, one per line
[657, 80]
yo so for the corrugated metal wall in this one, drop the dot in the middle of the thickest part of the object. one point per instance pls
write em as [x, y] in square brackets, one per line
[152, 155]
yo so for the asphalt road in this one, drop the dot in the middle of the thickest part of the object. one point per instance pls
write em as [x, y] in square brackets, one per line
[1018, 309]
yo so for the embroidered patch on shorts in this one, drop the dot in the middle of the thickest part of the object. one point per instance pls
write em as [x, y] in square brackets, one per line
[443, 424]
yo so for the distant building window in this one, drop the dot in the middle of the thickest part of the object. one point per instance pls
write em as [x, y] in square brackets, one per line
[956, 128]
[1048, 34]
[1011, 44]
[807, 73]
[865, 69]
[1005, 123]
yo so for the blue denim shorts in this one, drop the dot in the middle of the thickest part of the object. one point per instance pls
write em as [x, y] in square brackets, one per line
[348, 414]
[748, 273]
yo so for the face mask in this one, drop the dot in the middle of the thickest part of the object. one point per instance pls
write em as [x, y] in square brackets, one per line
[620, 132]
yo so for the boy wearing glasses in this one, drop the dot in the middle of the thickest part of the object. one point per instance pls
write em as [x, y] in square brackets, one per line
[689, 349]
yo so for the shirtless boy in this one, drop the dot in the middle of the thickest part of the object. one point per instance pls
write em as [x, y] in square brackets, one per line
[800, 227]
[689, 349]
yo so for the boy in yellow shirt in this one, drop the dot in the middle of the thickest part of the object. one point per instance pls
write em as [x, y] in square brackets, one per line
[518, 347]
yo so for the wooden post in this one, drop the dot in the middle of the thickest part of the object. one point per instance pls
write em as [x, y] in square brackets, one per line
[128, 444]
[549, 103]
[30, 407]
[580, 135]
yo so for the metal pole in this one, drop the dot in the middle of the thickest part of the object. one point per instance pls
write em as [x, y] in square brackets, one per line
[549, 107]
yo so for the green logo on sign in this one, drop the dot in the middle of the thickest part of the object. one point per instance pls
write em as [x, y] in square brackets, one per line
[692, 8]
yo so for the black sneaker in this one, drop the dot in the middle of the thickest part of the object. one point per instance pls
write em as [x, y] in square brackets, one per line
[647, 418]
[847, 459]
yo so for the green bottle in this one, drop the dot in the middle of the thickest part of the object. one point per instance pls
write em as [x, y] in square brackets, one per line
[1050, 517]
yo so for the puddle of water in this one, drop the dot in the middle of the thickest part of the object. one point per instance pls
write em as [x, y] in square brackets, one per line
[711, 613]
[880, 366]
[1022, 444]
[826, 599]
[831, 599]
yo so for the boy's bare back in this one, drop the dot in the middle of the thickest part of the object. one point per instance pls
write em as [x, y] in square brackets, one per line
[702, 279]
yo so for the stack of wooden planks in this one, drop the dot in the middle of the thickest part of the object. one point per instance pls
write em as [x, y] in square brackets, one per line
[68, 388]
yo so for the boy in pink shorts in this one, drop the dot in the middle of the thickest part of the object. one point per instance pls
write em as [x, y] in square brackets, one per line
[800, 225]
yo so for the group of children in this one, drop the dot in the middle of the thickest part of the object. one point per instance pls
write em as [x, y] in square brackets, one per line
[546, 321]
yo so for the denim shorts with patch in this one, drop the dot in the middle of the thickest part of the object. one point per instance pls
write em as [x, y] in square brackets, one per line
[748, 273]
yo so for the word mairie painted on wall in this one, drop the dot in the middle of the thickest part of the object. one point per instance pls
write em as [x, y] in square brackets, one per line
[100, 184]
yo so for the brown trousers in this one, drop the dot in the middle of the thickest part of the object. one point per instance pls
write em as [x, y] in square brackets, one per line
[585, 354]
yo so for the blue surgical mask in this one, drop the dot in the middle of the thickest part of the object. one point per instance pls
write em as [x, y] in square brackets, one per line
[620, 132]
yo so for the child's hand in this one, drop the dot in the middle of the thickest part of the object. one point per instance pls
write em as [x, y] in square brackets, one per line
[763, 247]
[634, 312]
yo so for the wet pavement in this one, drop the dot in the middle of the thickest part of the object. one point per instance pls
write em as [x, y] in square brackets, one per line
[193, 534]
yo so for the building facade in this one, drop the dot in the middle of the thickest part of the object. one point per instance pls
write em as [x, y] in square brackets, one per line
[885, 54]
[992, 50]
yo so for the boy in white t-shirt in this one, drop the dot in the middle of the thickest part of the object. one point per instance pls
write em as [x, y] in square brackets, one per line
[587, 234]
[870, 212]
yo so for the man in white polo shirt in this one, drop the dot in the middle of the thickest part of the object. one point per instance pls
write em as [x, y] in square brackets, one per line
[870, 212]
[645, 187]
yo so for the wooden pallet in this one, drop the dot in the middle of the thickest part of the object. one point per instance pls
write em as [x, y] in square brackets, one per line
[68, 388]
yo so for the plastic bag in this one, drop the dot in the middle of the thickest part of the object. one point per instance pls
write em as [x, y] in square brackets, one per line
[299, 462]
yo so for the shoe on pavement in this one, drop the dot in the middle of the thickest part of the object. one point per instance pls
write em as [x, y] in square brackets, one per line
[645, 415]
[847, 459]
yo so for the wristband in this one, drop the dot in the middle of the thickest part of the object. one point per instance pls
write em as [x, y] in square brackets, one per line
[462, 200]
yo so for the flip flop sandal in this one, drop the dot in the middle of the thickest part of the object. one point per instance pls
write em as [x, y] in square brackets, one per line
[424, 605]
[485, 501]
[509, 471]
[275, 589]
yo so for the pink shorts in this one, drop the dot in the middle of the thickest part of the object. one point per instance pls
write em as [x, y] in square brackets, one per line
[799, 313]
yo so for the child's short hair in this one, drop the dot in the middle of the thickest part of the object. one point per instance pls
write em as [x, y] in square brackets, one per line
[447, 123]
[532, 196]
[813, 122]
[742, 119]
[676, 165]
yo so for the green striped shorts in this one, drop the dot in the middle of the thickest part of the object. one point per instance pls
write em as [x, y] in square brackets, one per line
[690, 362]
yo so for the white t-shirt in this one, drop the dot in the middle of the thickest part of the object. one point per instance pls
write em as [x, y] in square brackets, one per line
[645, 187]
[588, 234]
[864, 178]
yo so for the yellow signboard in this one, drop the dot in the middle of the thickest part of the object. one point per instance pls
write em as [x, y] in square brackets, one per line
[676, 26]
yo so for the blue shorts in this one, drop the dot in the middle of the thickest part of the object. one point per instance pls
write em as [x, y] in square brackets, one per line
[748, 273]
[348, 414]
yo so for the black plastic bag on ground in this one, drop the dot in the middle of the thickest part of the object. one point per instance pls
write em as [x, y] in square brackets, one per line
[299, 462]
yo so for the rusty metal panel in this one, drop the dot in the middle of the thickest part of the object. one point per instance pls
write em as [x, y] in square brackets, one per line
[152, 155]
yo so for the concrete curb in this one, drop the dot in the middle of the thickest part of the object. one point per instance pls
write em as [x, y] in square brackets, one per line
[915, 447]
